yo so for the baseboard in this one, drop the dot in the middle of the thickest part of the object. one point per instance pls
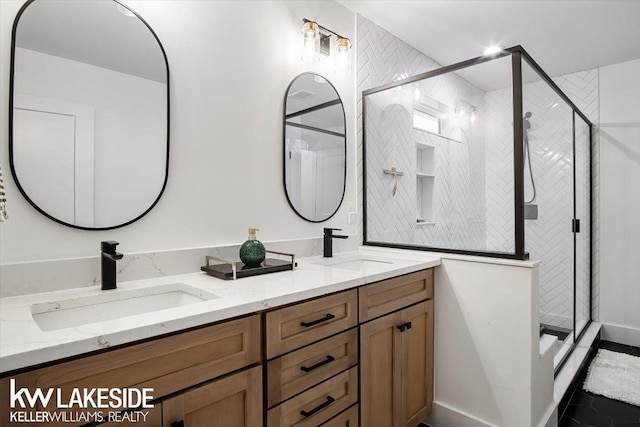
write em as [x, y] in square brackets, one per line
[621, 334]
[550, 419]
[446, 416]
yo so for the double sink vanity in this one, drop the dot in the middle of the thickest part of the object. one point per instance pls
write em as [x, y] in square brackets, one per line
[338, 341]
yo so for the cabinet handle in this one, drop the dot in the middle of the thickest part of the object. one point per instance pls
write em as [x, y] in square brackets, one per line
[329, 359]
[320, 407]
[177, 423]
[329, 316]
[404, 327]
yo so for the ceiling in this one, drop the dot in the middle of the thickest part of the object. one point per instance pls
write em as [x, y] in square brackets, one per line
[561, 36]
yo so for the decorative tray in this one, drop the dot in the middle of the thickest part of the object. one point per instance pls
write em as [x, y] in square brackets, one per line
[232, 270]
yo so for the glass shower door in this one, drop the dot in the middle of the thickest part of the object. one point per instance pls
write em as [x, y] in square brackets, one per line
[582, 184]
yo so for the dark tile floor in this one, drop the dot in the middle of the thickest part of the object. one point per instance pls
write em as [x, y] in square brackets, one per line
[591, 410]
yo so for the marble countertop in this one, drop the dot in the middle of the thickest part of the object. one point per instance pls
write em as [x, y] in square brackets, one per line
[24, 344]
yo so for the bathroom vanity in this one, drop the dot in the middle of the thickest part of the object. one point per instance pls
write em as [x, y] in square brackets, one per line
[335, 341]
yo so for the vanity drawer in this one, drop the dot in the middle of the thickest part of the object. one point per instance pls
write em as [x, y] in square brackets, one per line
[297, 371]
[166, 364]
[301, 324]
[384, 297]
[319, 404]
[348, 418]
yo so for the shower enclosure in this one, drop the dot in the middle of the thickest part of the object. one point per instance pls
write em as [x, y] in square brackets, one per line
[486, 157]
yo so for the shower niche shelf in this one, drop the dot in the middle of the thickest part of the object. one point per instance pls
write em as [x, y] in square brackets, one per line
[425, 177]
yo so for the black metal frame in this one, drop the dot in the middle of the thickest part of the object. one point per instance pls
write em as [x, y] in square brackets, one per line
[11, 161]
[284, 142]
[517, 54]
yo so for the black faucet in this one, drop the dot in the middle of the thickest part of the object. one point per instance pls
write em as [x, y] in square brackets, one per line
[109, 258]
[328, 240]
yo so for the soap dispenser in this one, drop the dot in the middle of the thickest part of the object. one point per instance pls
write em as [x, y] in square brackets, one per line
[252, 251]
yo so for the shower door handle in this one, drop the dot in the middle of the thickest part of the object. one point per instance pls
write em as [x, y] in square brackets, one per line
[575, 225]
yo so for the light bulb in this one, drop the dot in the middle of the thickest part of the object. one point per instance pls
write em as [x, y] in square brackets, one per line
[343, 56]
[310, 41]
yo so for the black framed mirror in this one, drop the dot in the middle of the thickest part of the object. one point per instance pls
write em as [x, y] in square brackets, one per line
[315, 149]
[89, 112]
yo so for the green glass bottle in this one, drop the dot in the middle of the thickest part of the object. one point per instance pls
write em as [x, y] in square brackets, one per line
[252, 251]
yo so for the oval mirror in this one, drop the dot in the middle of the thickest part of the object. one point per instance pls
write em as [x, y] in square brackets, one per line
[89, 112]
[315, 147]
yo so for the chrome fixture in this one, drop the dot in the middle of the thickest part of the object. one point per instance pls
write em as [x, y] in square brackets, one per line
[393, 172]
[109, 258]
[328, 240]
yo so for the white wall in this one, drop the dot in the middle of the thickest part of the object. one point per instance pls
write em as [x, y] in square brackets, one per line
[228, 78]
[488, 368]
[620, 201]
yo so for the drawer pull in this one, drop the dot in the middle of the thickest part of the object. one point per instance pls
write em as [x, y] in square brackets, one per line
[320, 407]
[329, 359]
[329, 316]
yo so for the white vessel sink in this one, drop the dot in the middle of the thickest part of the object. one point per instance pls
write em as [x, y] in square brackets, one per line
[357, 262]
[110, 305]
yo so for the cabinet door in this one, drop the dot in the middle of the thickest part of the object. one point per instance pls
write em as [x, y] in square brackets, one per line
[417, 342]
[234, 401]
[381, 372]
[396, 362]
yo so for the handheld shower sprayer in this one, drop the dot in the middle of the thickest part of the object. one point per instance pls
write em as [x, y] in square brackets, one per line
[526, 125]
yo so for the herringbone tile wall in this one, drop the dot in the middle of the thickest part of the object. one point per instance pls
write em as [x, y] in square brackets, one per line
[382, 58]
[458, 193]
[549, 238]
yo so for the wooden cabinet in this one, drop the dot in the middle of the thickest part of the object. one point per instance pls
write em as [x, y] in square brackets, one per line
[301, 369]
[386, 296]
[167, 365]
[396, 362]
[313, 375]
[312, 356]
[233, 401]
[292, 327]
[348, 418]
[318, 404]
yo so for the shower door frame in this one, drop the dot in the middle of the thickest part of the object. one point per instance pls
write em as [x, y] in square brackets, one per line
[518, 54]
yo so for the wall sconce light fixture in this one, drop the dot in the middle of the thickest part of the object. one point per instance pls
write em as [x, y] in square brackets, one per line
[466, 111]
[316, 41]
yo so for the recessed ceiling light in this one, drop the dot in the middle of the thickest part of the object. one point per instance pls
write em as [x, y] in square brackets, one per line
[493, 49]
[123, 10]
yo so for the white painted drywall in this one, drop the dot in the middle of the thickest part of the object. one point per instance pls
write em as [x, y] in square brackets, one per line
[230, 65]
[487, 347]
[620, 201]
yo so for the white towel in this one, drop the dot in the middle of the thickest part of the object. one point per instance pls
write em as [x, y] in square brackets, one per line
[3, 201]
